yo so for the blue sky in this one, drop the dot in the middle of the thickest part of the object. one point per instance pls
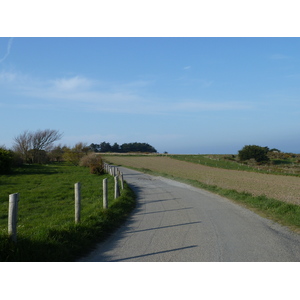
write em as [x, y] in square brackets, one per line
[181, 95]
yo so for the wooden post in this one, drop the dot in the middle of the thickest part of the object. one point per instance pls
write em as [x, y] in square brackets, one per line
[105, 200]
[122, 180]
[77, 201]
[13, 216]
[117, 192]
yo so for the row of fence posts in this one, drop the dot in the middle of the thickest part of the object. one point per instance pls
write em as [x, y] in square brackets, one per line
[14, 199]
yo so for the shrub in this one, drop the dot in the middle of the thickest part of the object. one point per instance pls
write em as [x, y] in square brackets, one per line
[6, 161]
[254, 152]
[94, 162]
[75, 154]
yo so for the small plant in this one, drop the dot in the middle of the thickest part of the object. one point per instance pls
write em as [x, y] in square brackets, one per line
[94, 162]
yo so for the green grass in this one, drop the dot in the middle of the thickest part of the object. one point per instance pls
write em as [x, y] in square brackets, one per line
[46, 229]
[215, 161]
[284, 213]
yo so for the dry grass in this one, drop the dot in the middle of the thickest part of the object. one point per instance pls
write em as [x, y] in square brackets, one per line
[284, 188]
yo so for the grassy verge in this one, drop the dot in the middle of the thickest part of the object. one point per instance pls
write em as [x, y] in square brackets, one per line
[284, 213]
[46, 228]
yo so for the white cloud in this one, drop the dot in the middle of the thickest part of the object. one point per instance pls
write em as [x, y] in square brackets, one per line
[72, 84]
[87, 94]
[9, 44]
[6, 77]
[187, 68]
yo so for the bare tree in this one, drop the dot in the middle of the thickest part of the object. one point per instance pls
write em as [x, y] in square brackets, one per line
[22, 144]
[33, 145]
[43, 139]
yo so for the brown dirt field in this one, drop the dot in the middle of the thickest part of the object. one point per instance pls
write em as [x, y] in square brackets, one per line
[284, 188]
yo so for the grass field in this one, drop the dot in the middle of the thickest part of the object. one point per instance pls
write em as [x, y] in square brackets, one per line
[274, 196]
[288, 166]
[46, 229]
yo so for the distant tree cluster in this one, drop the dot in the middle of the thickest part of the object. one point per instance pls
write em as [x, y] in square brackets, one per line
[258, 153]
[124, 148]
[38, 148]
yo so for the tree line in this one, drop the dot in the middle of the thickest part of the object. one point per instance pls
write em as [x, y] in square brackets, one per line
[38, 147]
[124, 148]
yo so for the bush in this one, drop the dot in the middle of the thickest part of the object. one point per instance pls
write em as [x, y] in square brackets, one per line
[94, 162]
[75, 154]
[6, 161]
[254, 152]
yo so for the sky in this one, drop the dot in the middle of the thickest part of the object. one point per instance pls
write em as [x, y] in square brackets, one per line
[185, 95]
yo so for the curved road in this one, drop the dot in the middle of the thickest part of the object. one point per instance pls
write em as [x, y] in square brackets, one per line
[177, 222]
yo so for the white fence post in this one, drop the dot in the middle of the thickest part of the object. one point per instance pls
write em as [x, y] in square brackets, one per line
[122, 180]
[117, 192]
[105, 200]
[13, 216]
[77, 201]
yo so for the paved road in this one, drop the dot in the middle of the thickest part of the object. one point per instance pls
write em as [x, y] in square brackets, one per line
[177, 222]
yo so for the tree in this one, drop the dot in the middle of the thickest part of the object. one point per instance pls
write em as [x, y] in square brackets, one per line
[115, 148]
[105, 147]
[137, 147]
[32, 146]
[254, 151]
[6, 160]
[56, 153]
[124, 148]
[22, 144]
[44, 139]
[95, 147]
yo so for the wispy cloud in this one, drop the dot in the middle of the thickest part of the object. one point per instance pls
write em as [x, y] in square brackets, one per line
[79, 92]
[71, 84]
[7, 77]
[187, 68]
[7, 50]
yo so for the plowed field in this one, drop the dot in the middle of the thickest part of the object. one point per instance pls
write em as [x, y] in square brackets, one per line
[284, 188]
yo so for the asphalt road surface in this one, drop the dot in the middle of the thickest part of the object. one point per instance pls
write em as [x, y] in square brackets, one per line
[174, 222]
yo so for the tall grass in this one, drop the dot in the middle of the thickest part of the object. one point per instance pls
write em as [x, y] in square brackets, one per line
[46, 228]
